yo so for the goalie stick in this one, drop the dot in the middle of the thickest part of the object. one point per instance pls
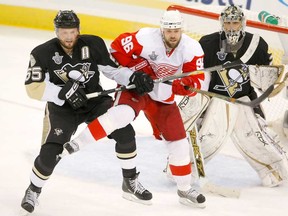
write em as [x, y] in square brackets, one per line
[197, 155]
[165, 79]
[252, 103]
[198, 160]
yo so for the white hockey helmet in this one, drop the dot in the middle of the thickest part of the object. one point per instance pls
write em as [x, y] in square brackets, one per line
[233, 13]
[171, 20]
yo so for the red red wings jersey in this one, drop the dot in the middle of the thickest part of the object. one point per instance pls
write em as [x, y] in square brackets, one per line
[147, 44]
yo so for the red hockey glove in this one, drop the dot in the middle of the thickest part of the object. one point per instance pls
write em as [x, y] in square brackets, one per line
[180, 86]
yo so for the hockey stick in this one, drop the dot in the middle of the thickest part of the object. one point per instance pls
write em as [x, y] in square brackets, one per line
[165, 79]
[252, 103]
[106, 92]
[198, 160]
[199, 178]
[197, 155]
[209, 69]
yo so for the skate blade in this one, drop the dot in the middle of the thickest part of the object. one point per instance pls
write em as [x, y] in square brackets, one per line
[23, 212]
[189, 203]
[133, 198]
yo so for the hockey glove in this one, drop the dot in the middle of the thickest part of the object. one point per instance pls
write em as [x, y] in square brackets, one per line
[181, 86]
[143, 82]
[74, 95]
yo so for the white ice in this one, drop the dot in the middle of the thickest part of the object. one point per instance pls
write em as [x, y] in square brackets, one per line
[89, 182]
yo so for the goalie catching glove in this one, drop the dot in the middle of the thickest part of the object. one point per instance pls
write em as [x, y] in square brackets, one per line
[143, 82]
[74, 95]
[181, 86]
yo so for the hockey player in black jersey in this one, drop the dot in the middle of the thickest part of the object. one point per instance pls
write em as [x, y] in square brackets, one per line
[245, 126]
[61, 72]
[229, 45]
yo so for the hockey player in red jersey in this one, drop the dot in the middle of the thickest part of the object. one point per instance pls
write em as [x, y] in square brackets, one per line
[154, 53]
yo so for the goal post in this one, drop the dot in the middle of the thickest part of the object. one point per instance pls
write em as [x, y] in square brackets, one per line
[215, 16]
[203, 19]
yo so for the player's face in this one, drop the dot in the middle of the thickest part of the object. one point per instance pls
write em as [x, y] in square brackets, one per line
[232, 26]
[172, 37]
[67, 37]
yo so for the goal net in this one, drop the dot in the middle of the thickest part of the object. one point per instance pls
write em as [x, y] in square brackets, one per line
[202, 20]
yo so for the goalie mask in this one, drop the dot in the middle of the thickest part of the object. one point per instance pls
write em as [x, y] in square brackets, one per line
[232, 14]
[66, 19]
[171, 20]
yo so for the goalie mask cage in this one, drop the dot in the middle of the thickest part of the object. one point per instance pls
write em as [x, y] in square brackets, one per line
[202, 19]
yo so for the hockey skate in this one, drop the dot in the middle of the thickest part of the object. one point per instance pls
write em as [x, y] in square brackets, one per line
[134, 191]
[30, 200]
[191, 198]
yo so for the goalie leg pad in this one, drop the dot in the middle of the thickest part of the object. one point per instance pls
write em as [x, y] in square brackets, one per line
[257, 147]
[217, 125]
[191, 108]
[285, 123]
[280, 128]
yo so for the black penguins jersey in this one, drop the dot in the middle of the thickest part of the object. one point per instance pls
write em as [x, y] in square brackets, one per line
[233, 82]
[50, 67]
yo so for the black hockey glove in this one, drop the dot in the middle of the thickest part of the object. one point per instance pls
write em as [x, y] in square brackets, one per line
[143, 82]
[74, 95]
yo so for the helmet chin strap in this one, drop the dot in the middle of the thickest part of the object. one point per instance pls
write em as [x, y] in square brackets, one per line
[168, 49]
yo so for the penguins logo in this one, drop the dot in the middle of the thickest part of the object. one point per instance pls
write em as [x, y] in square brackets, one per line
[233, 79]
[79, 72]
